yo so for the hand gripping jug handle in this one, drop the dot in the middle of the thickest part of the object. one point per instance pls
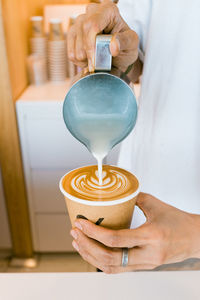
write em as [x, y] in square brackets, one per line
[103, 57]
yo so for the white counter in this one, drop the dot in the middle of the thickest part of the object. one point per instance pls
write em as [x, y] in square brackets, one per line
[98, 286]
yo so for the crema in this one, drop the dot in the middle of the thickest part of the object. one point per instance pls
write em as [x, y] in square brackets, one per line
[117, 183]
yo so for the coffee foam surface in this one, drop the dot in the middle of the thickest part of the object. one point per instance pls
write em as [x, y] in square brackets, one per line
[83, 183]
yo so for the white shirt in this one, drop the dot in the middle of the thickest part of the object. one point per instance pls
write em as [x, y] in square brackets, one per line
[163, 150]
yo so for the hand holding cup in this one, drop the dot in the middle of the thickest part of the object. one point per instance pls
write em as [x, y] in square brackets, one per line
[168, 236]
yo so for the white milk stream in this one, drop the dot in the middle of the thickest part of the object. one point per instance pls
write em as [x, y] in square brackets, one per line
[100, 136]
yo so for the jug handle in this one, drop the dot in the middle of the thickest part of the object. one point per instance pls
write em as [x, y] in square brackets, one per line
[103, 57]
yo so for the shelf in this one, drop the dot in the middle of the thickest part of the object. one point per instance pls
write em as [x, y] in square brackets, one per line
[49, 91]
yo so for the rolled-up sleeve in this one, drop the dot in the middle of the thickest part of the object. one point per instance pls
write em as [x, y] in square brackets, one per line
[136, 14]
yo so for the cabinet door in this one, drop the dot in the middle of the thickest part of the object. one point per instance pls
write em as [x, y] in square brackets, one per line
[46, 194]
[53, 233]
[50, 145]
[49, 151]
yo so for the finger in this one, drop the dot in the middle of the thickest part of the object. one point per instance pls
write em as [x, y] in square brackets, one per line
[95, 24]
[91, 8]
[71, 38]
[79, 45]
[114, 238]
[109, 269]
[116, 270]
[81, 64]
[104, 255]
[113, 257]
[127, 40]
[87, 257]
[125, 59]
[115, 46]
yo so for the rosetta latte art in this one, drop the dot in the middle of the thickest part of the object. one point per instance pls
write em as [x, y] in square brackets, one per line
[84, 183]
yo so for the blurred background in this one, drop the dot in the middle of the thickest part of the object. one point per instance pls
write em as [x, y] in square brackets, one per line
[35, 147]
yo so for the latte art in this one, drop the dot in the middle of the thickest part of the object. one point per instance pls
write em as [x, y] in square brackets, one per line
[116, 183]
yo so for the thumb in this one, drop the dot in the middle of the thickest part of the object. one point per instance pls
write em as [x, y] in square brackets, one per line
[115, 46]
[124, 41]
[149, 204]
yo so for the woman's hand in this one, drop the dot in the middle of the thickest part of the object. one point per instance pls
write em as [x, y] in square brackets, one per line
[103, 17]
[168, 236]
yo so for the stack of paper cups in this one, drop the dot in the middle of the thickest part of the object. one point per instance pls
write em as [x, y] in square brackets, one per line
[57, 52]
[37, 63]
[37, 69]
[39, 46]
[38, 41]
[71, 68]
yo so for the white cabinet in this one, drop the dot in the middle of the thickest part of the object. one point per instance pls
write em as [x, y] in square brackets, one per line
[48, 151]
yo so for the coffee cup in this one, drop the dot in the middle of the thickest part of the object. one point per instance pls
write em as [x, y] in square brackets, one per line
[37, 26]
[110, 205]
[56, 31]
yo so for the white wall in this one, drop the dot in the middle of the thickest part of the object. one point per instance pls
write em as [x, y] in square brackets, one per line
[5, 241]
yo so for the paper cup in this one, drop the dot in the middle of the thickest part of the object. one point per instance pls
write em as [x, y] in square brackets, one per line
[37, 26]
[56, 31]
[39, 46]
[115, 214]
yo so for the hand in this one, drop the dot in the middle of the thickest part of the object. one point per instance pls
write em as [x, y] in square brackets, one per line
[168, 236]
[103, 17]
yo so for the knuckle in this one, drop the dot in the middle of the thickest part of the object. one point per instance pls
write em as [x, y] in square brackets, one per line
[84, 256]
[90, 7]
[156, 234]
[150, 267]
[72, 31]
[71, 35]
[71, 56]
[113, 239]
[108, 270]
[90, 24]
[80, 18]
[86, 26]
[108, 257]
[160, 259]
[80, 56]
[134, 37]
[114, 10]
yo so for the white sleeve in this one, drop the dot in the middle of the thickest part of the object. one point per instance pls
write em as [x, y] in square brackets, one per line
[136, 14]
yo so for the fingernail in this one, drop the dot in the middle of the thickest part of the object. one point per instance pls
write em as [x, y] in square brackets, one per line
[118, 43]
[78, 225]
[115, 46]
[85, 71]
[90, 65]
[71, 55]
[75, 245]
[74, 234]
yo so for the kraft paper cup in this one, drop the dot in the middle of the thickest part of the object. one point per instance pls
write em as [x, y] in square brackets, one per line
[115, 214]
[39, 46]
[37, 26]
[56, 31]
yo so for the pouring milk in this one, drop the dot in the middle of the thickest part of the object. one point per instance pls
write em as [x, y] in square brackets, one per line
[100, 135]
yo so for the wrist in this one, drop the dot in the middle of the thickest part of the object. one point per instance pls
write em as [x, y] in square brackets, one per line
[195, 237]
